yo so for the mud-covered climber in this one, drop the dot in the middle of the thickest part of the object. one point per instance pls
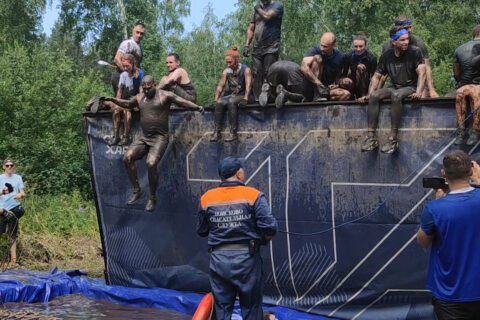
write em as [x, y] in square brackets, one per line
[132, 46]
[326, 68]
[233, 91]
[404, 22]
[237, 220]
[178, 80]
[12, 190]
[154, 105]
[467, 74]
[128, 86]
[405, 66]
[285, 82]
[362, 64]
[265, 28]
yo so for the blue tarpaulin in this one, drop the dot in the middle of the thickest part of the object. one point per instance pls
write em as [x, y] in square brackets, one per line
[34, 286]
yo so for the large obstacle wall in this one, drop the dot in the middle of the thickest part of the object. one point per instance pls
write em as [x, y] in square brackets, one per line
[346, 244]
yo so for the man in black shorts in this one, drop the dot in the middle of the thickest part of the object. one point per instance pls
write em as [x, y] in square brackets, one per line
[154, 105]
[405, 66]
[362, 64]
[285, 81]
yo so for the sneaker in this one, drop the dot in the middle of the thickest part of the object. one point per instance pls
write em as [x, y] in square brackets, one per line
[263, 98]
[125, 141]
[474, 137]
[281, 98]
[370, 143]
[462, 136]
[232, 136]
[95, 105]
[215, 136]
[151, 204]
[321, 93]
[391, 146]
[113, 141]
[134, 197]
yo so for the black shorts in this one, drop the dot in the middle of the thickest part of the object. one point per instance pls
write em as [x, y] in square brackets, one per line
[12, 226]
[456, 310]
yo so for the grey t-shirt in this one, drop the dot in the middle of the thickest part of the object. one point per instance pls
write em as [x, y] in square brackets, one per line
[130, 46]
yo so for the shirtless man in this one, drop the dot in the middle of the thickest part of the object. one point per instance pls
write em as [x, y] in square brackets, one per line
[326, 68]
[178, 80]
[154, 105]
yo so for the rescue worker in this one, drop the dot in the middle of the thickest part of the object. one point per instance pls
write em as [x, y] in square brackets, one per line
[236, 219]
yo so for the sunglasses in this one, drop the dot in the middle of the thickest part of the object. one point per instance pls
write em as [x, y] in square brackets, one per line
[9, 165]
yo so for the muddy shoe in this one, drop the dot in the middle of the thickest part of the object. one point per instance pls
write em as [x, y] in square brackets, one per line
[281, 98]
[151, 204]
[263, 98]
[125, 141]
[215, 136]
[391, 146]
[134, 197]
[113, 141]
[95, 104]
[321, 93]
[370, 143]
[232, 136]
[474, 137]
[462, 137]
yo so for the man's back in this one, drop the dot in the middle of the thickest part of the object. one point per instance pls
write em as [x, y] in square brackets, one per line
[463, 56]
[454, 222]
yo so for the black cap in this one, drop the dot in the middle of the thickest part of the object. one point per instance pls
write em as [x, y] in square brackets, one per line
[229, 166]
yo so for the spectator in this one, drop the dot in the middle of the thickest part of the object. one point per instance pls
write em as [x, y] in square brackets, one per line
[326, 68]
[232, 91]
[10, 209]
[406, 69]
[450, 225]
[265, 27]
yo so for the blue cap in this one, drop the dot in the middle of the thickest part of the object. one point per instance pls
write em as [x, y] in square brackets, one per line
[228, 167]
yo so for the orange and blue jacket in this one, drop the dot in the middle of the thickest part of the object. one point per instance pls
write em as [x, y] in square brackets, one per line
[234, 213]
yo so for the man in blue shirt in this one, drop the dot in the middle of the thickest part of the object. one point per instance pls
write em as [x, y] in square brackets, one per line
[236, 219]
[451, 226]
[12, 190]
[327, 68]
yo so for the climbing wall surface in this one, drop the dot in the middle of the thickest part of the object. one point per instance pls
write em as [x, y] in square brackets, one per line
[346, 244]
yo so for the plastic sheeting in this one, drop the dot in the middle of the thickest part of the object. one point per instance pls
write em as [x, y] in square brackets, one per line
[33, 287]
[347, 219]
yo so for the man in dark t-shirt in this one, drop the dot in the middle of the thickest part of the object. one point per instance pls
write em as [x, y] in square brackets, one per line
[405, 66]
[154, 105]
[404, 22]
[362, 64]
[326, 68]
[467, 75]
[265, 27]
[285, 81]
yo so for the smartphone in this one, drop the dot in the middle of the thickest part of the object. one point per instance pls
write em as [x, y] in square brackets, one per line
[434, 183]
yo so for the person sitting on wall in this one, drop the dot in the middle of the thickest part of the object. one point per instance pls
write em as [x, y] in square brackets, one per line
[404, 22]
[154, 105]
[326, 68]
[232, 91]
[467, 74]
[128, 86]
[285, 81]
[405, 66]
[362, 64]
[178, 80]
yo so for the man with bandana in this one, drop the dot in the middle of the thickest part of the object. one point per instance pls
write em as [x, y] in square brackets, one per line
[404, 22]
[405, 66]
[237, 220]
[326, 68]
[154, 105]
[362, 64]
[265, 27]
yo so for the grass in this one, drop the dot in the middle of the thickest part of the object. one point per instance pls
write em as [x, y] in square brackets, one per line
[59, 230]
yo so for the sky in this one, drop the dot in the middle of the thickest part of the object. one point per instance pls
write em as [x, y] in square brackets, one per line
[197, 10]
